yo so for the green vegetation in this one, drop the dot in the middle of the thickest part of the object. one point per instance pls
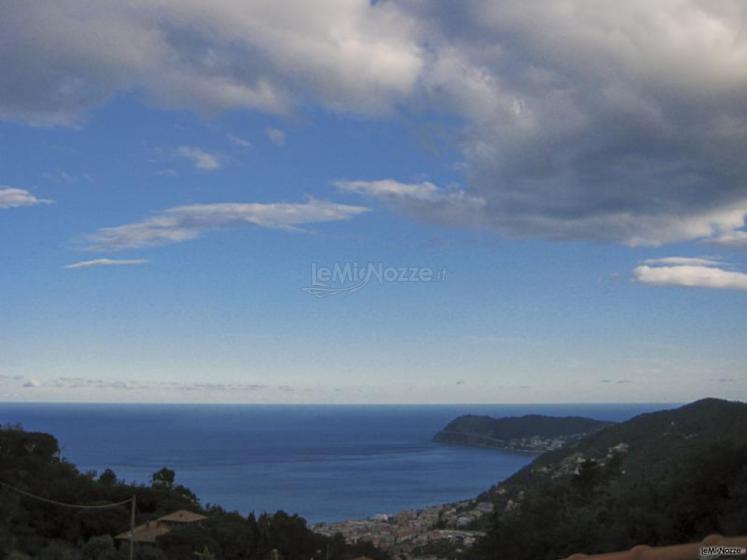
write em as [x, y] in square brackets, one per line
[33, 529]
[530, 433]
[661, 478]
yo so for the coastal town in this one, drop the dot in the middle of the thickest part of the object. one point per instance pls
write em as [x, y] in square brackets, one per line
[411, 533]
[453, 527]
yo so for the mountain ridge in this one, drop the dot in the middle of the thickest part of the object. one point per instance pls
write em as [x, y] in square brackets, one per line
[531, 432]
[660, 478]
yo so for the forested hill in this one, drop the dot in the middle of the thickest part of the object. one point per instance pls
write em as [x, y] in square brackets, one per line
[32, 463]
[660, 478]
[649, 442]
[526, 433]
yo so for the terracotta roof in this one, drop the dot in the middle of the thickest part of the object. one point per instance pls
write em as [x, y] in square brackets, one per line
[182, 516]
[151, 530]
[677, 552]
[147, 532]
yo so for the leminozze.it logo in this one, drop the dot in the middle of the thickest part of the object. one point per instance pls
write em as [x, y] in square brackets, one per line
[347, 278]
[719, 551]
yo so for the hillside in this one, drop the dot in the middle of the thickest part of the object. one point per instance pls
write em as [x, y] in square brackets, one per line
[660, 478]
[649, 443]
[526, 433]
[31, 462]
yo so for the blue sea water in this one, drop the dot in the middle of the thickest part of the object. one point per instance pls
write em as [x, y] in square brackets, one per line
[326, 463]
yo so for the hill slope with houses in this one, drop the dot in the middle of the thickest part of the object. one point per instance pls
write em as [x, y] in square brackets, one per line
[661, 478]
[533, 433]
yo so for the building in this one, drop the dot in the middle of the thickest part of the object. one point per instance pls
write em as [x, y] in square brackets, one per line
[149, 531]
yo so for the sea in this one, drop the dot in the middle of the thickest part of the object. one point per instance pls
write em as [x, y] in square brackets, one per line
[326, 462]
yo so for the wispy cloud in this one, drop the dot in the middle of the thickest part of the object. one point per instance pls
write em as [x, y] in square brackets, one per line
[276, 136]
[690, 273]
[423, 201]
[390, 189]
[15, 198]
[239, 141]
[531, 111]
[92, 383]
[184, 223]
[683, 261]
[201, 159]
[221, 387]
[736, 239]
[106, 262]
[32, 384]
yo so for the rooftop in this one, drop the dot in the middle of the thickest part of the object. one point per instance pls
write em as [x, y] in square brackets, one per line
[151, 530]
[182, 516]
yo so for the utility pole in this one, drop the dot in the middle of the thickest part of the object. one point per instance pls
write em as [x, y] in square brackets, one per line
[132, 528]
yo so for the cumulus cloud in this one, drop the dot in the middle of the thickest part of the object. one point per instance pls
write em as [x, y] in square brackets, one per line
[105, 262]
[183, 223]
[62, 58]
[690, 273]
[32, 384]
[200, 158]
[276, 136]
[624, 123]
[423, 201]
[15, 198]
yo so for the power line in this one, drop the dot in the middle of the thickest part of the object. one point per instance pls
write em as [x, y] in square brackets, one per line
[132, 501]
[63, 504]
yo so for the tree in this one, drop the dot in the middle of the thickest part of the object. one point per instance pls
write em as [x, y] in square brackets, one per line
[163, 478]
[108, 477]
[98, 548]
[150, 553]
[57, 550]
[205, 554]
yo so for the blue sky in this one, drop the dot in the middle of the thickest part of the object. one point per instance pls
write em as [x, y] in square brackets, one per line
[160, 220]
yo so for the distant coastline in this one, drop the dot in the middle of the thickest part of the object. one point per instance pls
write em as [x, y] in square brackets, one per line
[532, 433]
[242, 456]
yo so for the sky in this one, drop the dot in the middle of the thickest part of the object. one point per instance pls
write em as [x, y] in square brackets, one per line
[343, 201]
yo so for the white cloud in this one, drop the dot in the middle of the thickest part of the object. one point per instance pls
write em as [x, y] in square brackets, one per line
[276, 136]
[733, 240]
[15, 198]
[106, 262]
[96, 384]
[63, 58]
[32, 383]
[200, 158]
[423, 201]
[183, 223]
[239, 141]
[683, 261]
[689, 273]
[586, 132]
[389, 188]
